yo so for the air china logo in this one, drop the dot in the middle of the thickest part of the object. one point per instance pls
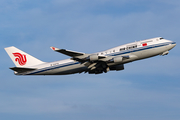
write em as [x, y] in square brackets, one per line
[21, 58]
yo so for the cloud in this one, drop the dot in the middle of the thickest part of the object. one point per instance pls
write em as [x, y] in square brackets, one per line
[32, 106]
[147, 88]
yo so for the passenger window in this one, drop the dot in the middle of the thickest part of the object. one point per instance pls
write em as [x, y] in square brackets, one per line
[131, 47]
[122, 49]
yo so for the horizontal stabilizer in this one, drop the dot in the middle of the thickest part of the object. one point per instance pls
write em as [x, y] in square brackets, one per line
[67, 52]
[21, 69]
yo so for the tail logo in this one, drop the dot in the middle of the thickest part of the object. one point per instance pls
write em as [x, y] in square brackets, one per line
[21, 58]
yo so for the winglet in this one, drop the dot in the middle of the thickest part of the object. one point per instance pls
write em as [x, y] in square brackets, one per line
[54, 48]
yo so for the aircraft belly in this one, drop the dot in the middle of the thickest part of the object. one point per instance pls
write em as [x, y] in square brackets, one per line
[70, 70]
[64, 70]
[150, 52]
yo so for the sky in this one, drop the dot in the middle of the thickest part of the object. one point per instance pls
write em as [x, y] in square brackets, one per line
[147, 89]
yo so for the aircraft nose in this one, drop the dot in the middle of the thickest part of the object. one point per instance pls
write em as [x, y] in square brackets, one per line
[173, 44]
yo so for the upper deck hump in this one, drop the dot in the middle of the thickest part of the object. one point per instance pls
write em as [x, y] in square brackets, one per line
[136, 44]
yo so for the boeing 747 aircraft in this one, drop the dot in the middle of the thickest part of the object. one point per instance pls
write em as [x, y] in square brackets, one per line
[96, 63]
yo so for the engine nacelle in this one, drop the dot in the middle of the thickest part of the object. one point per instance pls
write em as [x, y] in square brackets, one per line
[93, 57]
[116, 60]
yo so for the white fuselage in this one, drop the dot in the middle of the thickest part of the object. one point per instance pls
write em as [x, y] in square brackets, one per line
[135, 51]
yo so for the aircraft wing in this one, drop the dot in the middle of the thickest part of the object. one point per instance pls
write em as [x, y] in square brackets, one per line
[67, 52]
[94, 62]
[78, 56]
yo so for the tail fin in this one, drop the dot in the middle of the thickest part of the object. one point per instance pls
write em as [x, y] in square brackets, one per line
[22, 59]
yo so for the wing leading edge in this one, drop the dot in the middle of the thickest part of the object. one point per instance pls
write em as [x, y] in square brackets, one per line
[67, 52]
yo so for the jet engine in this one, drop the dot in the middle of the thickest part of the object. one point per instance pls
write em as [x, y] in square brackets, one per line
[93, 57]
[116, 60]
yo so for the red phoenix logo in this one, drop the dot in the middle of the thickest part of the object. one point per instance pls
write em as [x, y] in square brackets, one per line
[21, 58]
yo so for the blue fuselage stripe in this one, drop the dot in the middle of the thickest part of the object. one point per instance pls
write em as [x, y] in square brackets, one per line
[54, 67]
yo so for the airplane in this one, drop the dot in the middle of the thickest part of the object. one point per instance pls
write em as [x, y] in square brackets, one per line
[95, 63]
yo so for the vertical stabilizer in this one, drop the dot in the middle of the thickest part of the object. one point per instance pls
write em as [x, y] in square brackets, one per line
[22, 59]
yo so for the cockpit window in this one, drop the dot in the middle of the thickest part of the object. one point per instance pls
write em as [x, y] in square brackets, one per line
[161, 38]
